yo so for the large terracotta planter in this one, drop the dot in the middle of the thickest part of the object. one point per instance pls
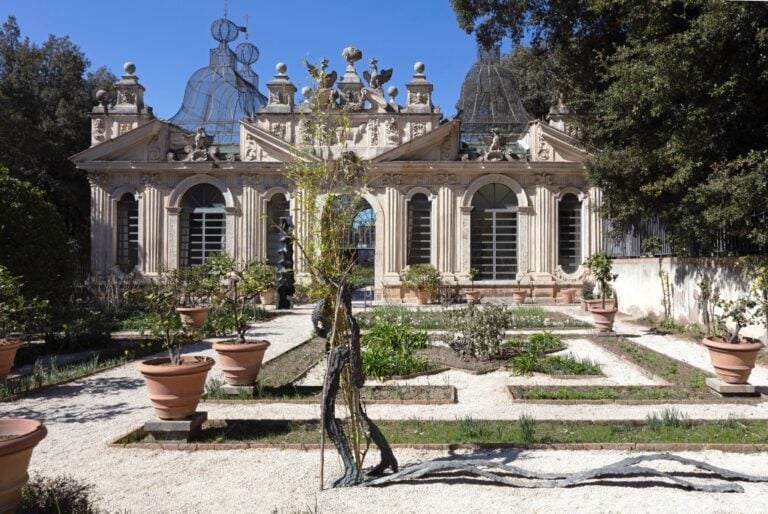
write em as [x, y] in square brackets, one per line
[423, 296]
[15, 454]
[8, 349]
[566, 295]
[241, 362]
[175, 390]
[603, 318]
[193, 317]
[519, 295]
[472, 296]
[733, 363]
[268, 297]
[610, 303]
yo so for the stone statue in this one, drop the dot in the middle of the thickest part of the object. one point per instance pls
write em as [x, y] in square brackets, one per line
[376, 80]
[197, 150]
[285, 279]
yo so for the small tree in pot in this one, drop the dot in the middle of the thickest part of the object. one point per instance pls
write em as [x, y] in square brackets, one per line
[176, 382]
[600, 265]
[422, 279]
[471, 295]
[519, 294]
[240, 284]
[733, 355]
[194, 285]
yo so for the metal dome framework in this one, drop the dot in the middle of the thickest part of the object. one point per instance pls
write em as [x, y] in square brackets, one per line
[489, 100]
[218, 96]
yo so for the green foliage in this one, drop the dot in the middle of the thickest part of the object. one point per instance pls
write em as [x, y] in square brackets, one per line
[527, 425]
[531, 358]
[361, 277]
[86, 329]
[479, 332]
[651, 245]
[45, 97]
[669, 417]
[33, 241]
[388, 349]
[61, 494]
[660, 90]
[421, 277]
[163, 321]
[17, 314]
[588, 290]
[600, 264]
[567, 365]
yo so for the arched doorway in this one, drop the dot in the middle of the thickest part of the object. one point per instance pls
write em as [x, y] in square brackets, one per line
[362, 236]
[203, 225]
[494, 232]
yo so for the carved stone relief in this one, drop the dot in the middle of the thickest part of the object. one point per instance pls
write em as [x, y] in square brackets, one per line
[418, 98]
[544, 151]
[98, 130]
[278, 130]
[418, 130]
[390, 179]
[98, 179]
[250, 149]
[153, 154]
[124, 128]
[393, 133]
[126, 97]
[373, 132]
[444, 179]
[250, 180]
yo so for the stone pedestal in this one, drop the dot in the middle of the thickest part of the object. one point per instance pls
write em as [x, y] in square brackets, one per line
[177, 431]
[726, 389]
[233, 390]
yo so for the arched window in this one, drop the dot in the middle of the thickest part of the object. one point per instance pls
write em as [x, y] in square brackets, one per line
[277, 207]
[203, 224]
[494, 232]
[569, 232]
[127, 232]
[419, 230]
[362, 236]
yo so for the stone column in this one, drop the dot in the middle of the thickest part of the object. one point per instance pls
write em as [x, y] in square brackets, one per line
[525, 218]
[101, 225]
[151, 226]
[251, 218]
[544, 226]
[444, 226]
[595, 226]
[465, 244]
[394, 232]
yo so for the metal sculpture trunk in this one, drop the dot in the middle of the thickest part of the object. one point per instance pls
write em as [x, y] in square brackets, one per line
[285, 278]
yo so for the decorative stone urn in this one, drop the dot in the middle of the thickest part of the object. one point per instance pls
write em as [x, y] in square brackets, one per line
[8, 349]
[241, 362]
[175, 389]
[192, 317]
[18, 437]
[733, 362]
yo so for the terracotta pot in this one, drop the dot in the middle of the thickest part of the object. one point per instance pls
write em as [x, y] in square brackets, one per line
[603, 318]
[518, 296]
[241, 362]
[566, 295]
[472, 296]
[8, 349]
[733, 363]
[268, 297]
[175, 390]
[192, 316]
[15, 454]
[610, 303]
[423, 296]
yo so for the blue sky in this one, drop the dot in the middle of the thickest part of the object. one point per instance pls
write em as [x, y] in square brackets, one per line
[169, 39]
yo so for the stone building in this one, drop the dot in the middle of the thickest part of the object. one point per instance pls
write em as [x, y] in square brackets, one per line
[507, 196]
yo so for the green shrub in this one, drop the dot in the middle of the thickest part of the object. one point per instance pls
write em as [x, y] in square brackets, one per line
[57, 495]
[527, 427]
[388, 349]
[567, 365]
[421, 277]
[87, 329]
[479, 332]
[669, 417]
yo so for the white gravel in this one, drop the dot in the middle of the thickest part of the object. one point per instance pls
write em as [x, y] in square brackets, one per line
[83, 416]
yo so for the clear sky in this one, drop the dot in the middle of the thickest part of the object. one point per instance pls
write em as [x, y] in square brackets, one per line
[169, 39]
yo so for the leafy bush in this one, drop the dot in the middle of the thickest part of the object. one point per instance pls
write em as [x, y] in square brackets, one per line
[527, 425]
[479, 332]
[567, 365]
[588, 290]
[388, 349]
[421, 277]
[61, 494]
[87, 329]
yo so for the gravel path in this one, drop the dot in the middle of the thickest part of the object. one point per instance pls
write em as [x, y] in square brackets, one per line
[85, 415]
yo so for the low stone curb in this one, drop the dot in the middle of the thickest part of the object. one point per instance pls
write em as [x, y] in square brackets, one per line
[308, 401]
[715, 400]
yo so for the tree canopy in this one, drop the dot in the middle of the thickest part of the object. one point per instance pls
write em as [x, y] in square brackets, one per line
[45, 94]
[671, 97]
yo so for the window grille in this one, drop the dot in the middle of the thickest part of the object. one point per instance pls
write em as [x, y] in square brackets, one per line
[494, 233]
[277, 207]
[203, 225]
[419, 230]
[569, 233]
[127, 232]
[362, 237]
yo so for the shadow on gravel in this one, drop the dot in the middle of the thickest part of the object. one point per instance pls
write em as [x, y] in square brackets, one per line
[76, 413]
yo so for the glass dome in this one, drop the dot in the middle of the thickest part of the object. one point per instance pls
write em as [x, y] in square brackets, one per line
[218, 96]
[489, 100]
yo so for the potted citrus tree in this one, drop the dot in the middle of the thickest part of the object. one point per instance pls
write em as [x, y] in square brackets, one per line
[733, 355]
[600, 265]
[175, 383]
[194, 287]
[16, 315]
[263, 279]
[472, 295]
[519, 294]
[241, 357]
[423, 280]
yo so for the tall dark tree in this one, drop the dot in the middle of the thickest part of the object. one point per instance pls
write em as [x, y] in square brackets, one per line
[45, 93]
[535, 73]
[666, 94]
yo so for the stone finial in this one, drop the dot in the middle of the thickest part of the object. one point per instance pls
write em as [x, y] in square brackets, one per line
[281, 68]
[418, 69]
[281, 91]
[419, 89]
[392, 91]
[129, 68]
[352, 55]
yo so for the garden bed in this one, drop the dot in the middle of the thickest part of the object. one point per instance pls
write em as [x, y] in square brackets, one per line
[674, 434]
[394, 394]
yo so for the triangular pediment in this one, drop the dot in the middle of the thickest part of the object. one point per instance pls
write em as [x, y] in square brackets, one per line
[549, 144]
[259, 145]
[146, 143]
[440, 144]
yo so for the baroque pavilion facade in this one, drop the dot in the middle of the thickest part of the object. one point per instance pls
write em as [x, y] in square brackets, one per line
[488, 190]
